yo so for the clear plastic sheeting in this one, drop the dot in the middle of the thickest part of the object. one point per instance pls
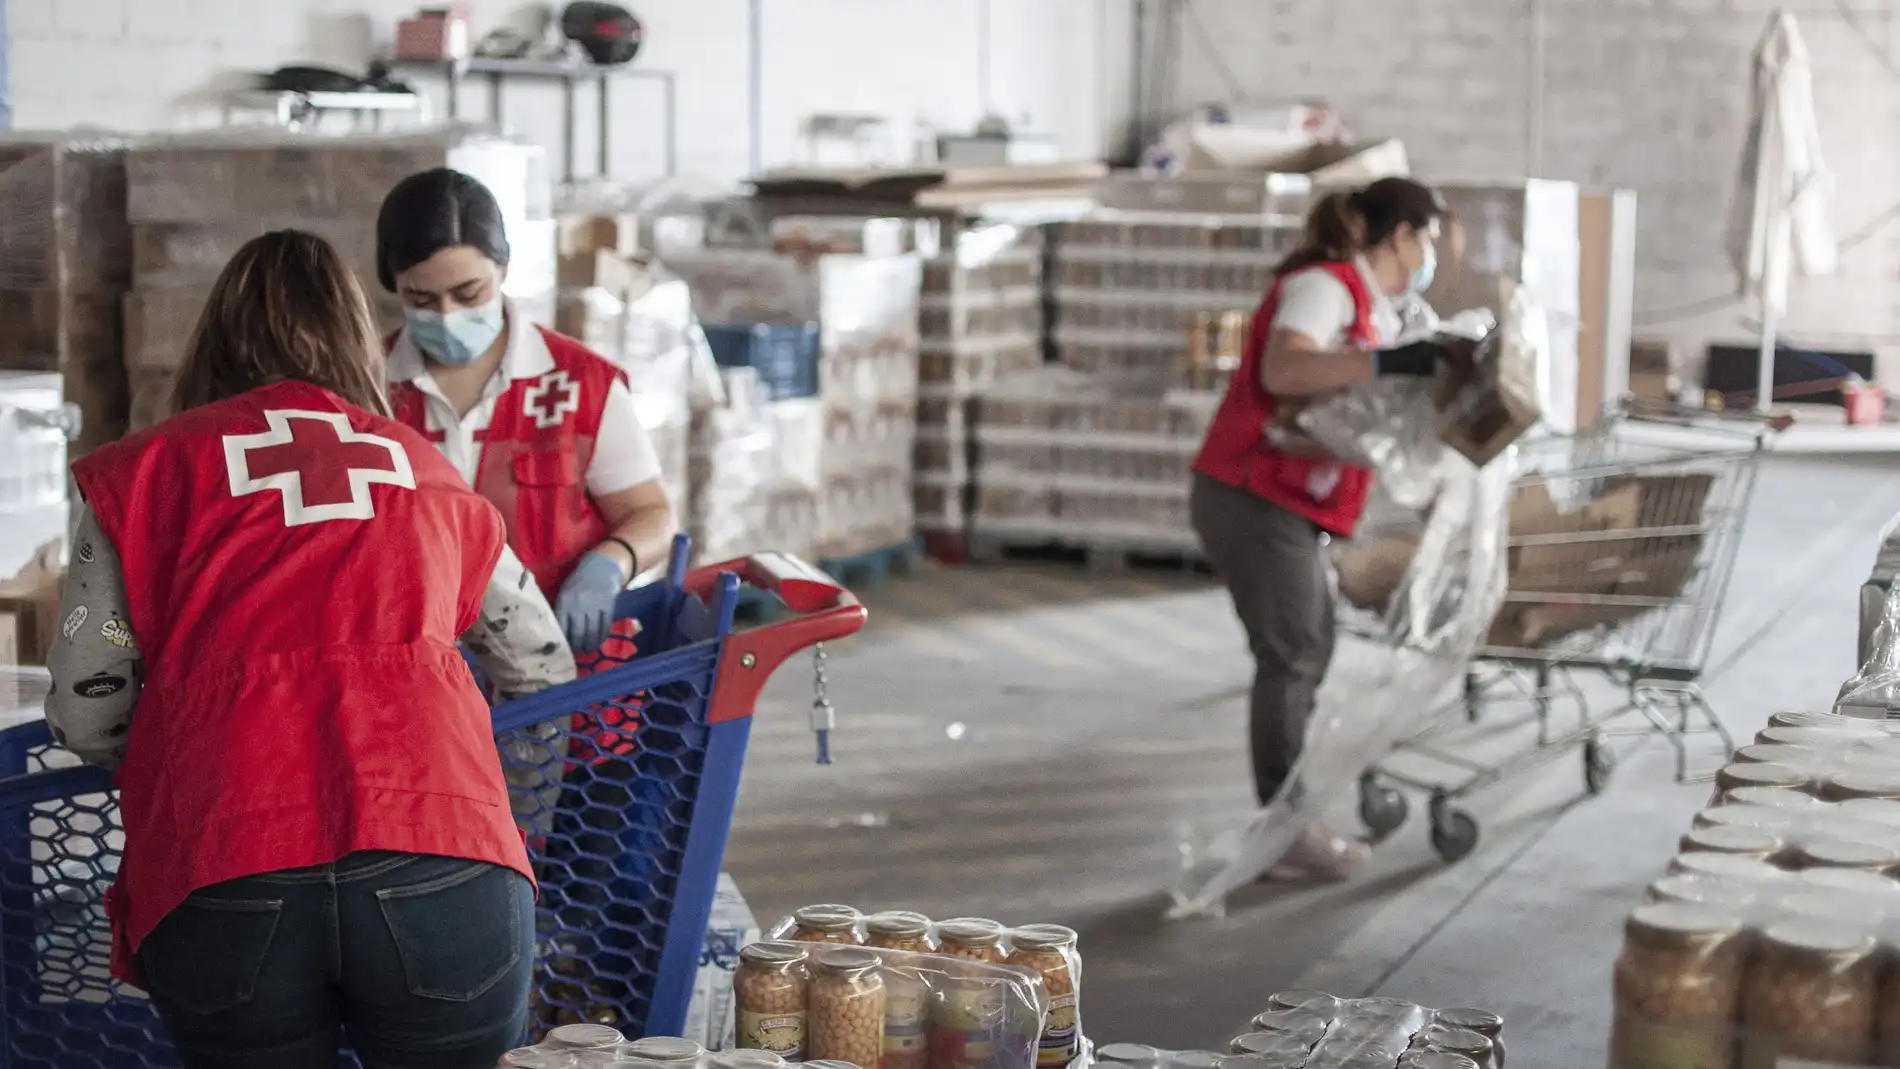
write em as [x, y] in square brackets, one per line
[1874, 691]
[1383, 680]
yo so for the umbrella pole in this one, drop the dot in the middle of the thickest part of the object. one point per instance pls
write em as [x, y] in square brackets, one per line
[1770, 313]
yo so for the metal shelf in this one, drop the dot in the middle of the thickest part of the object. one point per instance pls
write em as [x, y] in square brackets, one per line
[498, 72]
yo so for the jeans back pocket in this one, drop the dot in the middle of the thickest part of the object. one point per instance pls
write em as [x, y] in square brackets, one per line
[459, 933]
[205, 956]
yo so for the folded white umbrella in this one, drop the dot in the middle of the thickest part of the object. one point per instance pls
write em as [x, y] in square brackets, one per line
[1780, 223]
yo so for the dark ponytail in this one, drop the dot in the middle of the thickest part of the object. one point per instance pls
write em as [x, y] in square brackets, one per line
[1343, 224]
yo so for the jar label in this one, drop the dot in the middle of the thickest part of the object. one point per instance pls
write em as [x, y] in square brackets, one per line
[781, 1033]
[1642, 1044]
[1057, 1046]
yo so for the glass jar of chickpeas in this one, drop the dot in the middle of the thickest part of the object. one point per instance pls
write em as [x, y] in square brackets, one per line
[826, 924]
[1677, 987]
[971, 938]
[898, 930]
[769, 989]
[1049, 950]
[1811, 993]
[846, 1005]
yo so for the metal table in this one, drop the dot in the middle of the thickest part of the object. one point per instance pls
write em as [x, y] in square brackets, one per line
[498, 72]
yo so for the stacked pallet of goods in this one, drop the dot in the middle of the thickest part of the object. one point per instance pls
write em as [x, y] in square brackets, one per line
[821, 353]
[981, 321]
[1094, 454]
[193, 201]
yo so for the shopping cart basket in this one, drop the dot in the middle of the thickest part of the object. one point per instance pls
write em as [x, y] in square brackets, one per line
[1628, 586]
[627, 846]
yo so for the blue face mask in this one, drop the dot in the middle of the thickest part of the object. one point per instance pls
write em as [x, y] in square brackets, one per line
[456, 338]
[1427, 269]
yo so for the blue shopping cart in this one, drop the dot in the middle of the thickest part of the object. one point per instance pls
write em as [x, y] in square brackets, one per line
[624, 782]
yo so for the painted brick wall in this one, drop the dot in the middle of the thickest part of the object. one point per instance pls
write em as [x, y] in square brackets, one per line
[1646, 94]
[158, 64]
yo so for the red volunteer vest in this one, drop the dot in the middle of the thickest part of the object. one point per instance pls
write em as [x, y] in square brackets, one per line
[1327, 492]
[535, 455]
[297, 572]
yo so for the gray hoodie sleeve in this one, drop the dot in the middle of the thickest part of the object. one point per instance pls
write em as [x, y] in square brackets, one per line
[517, 640]
[94, 661]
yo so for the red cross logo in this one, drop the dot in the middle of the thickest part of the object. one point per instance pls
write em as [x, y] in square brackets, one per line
[321, 466]
[550, 399]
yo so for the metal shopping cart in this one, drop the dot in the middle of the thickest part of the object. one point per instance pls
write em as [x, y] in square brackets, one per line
[1620, 555]
[624, 781]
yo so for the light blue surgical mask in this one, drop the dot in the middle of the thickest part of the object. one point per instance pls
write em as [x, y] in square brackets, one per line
[456, 338]
[1427, 270]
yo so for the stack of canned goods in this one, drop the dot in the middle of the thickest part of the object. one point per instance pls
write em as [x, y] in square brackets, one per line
[900, 991]
[1315, 1030]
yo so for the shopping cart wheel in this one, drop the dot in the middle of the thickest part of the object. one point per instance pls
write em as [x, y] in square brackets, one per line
[1382, 809]
[1454, 832]
[1599, 764]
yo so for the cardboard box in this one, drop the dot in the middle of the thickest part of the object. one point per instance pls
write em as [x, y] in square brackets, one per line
[1284, 187]
[1487, 401]
[579, 234]
[710, 1018]
[171, 254]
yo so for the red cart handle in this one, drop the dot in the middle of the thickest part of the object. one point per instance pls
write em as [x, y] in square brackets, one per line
[826, 611]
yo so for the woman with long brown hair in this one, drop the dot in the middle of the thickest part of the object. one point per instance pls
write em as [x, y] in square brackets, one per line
[260, 639]
[1264, 513]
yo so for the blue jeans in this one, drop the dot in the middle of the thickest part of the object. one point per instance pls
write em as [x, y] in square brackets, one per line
[425, 961]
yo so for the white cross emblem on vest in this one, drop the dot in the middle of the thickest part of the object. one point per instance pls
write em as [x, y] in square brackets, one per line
[321, 466]
[550, 399]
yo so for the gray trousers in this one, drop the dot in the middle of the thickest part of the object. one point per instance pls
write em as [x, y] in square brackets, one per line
[1274, 565]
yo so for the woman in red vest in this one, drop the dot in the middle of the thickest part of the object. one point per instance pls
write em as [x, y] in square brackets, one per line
[260, 628]
[1264, 514]
[537, 423]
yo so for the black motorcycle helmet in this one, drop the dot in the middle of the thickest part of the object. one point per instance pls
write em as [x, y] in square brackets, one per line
[608, 33]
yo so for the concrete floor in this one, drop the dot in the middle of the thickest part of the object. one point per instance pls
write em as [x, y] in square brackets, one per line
[1031, 744]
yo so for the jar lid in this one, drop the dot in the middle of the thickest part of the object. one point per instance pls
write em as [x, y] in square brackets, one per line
[1765, 774]
[747, 1059]
[1705, 890]
[537, 1058]
[1269, 1044]
[1483, 1022]
[1194, 1059]
[665, 1049]
[1733, 815]
[1292, 1022]
[1751, 842]
[1823, 938]
[586, 1037]
[1134, 1053]
[1436, 1059]
[1881, 783]
[899, 923]
[1317, 1001]
[1044, 937]
[1258, 1061]
[772, 953]
[1771, 798]
[1727, 866]
[1826, 904]
[1847, 854]
[970, 931]
[1382, 1008]
[828, 917]
[1763, 753]
[1678, 923]
[1457, 1040]
[1873, 810]
[1802, 718]
[848, 961]
[832, 1063]
[1872, 886]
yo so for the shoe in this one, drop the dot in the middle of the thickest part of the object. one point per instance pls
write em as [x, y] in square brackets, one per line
[1319, 856]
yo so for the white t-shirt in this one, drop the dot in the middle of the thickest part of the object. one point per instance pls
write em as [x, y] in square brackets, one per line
[1315, 303]
[624, 456]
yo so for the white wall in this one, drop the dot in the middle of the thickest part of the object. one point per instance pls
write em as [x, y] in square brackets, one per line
[1646, 94]
[158, 64]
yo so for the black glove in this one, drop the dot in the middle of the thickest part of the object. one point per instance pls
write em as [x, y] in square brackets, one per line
[1417, 359]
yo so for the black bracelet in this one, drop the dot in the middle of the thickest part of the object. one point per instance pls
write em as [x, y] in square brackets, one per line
[633, 559]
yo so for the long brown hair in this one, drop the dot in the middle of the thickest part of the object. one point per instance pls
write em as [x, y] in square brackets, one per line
[1344, 223]
[286, 308]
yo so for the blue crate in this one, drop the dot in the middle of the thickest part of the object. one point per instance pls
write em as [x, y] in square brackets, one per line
[784, 354]
[627, 846]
